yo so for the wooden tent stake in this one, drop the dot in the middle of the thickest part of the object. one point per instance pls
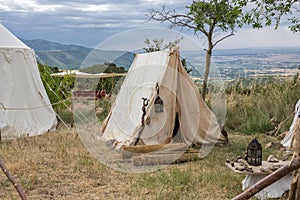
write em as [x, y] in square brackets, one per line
[12, 180]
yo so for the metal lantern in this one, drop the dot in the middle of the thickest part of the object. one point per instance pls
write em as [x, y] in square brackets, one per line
[159, 105]
[254, 153]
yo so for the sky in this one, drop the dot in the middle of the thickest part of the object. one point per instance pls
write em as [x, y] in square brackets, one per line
[92, 22]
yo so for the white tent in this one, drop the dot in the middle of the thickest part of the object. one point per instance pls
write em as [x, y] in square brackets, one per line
[183, 112]
[25, 108]
[287, 140]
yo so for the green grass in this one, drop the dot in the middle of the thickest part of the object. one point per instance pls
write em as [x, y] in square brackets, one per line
[259, 106]
[207, 178]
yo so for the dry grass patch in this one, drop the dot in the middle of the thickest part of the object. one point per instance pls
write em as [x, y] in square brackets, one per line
[57, 166]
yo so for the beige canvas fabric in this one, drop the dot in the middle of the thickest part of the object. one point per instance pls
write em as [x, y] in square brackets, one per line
[197, 124]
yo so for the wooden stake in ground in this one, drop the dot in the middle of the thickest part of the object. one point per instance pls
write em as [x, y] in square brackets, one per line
[12, 180]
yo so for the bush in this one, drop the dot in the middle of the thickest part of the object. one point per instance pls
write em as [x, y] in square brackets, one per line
[260, 105]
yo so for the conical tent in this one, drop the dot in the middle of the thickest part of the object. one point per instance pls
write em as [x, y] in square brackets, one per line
[158, 83]
[25, 108]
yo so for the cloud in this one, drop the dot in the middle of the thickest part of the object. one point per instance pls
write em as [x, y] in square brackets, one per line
[265, 37]
[71, 21]
[27, 6]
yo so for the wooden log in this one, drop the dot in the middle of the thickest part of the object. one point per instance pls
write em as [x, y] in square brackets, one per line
[268, 180]
[12, 180]
[295, 185]
[152, 148]
[127, 155]
[130, 151]
[163, 159]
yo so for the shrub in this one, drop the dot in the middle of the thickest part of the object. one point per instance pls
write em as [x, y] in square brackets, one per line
[261, 104]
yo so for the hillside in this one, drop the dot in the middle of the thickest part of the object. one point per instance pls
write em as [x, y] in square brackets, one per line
[228, 63]
[74, 56]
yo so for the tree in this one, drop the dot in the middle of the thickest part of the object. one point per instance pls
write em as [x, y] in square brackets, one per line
[158, 44]
[57, 88]
[210, 18]
[269, 12]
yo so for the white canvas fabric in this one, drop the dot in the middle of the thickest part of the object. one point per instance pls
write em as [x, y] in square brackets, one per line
[25, 108]
[9, 40]
[197, 123]
[275, 190]
[287, 140]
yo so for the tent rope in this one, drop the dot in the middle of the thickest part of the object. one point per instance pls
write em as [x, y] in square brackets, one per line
[3, 107]
[82, 120]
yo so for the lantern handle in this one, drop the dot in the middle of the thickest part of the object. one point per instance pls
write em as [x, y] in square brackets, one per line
[157, 88]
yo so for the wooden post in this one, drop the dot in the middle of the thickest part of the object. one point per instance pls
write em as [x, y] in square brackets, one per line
[295, 185]
[12, 180]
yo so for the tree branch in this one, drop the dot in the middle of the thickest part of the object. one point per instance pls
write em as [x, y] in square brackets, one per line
[12, 180]
[223, 38]
[171, 16]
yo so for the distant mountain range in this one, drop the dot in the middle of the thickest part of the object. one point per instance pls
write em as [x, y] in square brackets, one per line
[75, 57]
[228, 60]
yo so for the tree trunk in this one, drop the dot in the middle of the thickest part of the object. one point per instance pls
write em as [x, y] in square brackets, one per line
[206, 73]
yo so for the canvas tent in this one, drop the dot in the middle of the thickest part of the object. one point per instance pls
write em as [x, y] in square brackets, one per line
[287, 140]
[25, 108]
[160, 75]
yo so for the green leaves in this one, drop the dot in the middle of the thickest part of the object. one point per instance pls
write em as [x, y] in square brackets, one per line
[209, 15]
[57, 88]
[158, 44]
[270, 12]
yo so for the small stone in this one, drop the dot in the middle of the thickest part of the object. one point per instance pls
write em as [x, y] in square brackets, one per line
[272, 158]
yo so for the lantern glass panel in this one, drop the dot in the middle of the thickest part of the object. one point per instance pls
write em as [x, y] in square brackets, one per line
[158, 105]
